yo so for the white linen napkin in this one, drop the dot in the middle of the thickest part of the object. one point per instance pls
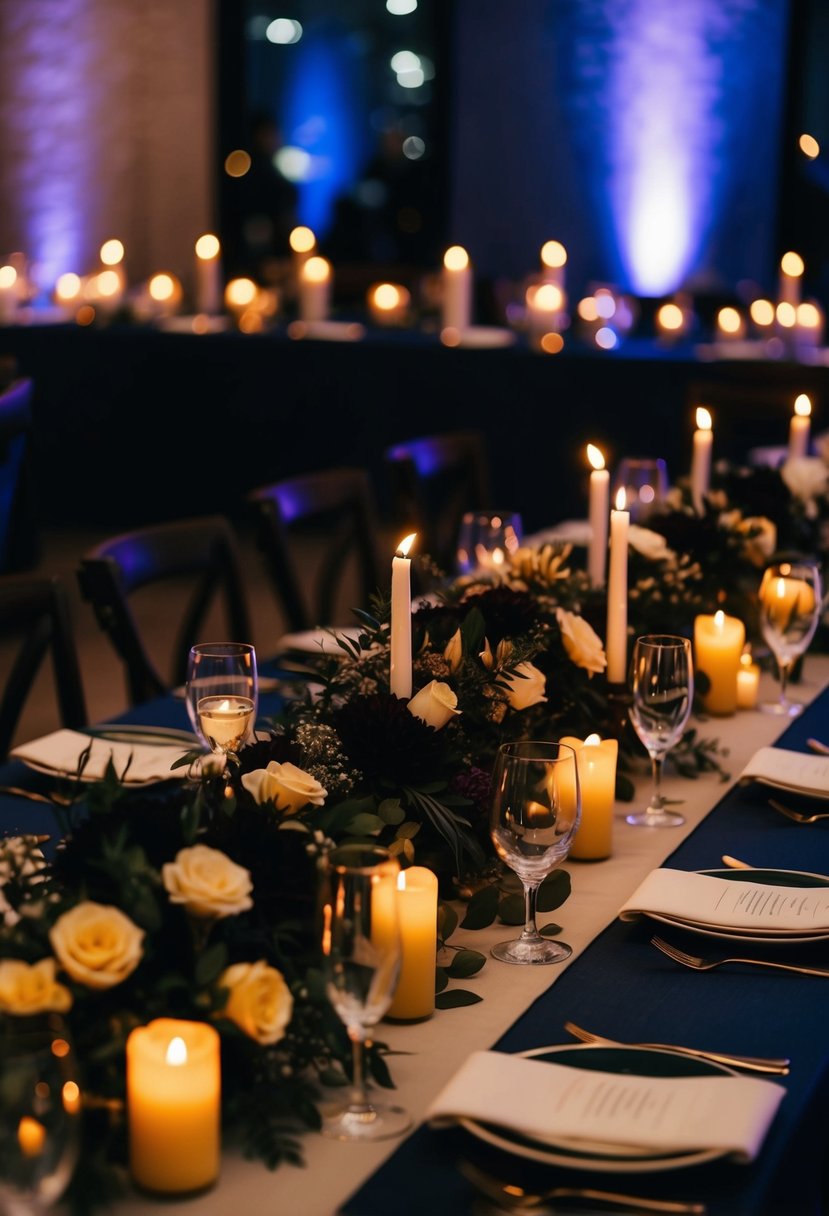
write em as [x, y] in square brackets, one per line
[547, 1101]
[59, 753]
[786, 770]
[703, 899]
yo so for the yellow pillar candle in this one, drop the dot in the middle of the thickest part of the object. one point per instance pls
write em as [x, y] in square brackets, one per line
[783, 597]
[748, 683]
[718, 644]
[596, 759]
[417, 915]
[173, 1105]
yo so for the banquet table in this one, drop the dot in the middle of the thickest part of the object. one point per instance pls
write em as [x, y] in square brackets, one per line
[616, 983]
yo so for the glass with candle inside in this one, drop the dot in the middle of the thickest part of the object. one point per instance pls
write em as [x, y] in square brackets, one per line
[222, 694]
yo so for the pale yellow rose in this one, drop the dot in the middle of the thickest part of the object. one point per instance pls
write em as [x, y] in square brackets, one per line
[96, 944]
[289, 788]
[580, 640]
[31, 988]
[652, 545]
[454, 651]
[259, 1001]
[758, 548]
[526, 686]
[207, 882]
[435, 704]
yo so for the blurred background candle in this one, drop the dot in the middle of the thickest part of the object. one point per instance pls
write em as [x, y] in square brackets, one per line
[808, 324]
[748, 682]
[718, 644]
[456, 291]
[596, 760]
[799, 427]
[388, 304]
[8, 294]
[67, 293]
[417, 915]
[731, 325]
[544, 303]
[314, 289]
[173, 1105]
[791, 273]
[701, 459]
[208, 294]
[617, 593]
[400, 674]
[303, 245]
[762, 317]
[553, 262]
[598, 516]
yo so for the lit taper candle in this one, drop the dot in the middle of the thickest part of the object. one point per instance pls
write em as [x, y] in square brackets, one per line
[799, 427]
[599, 501]
[617, 593]
[701, 459]
[400, 673]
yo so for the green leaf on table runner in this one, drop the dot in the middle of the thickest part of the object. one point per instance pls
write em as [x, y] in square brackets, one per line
[550, 930]
[481, 909]
[511, 909]
[447, 920]
[465, 963]
[457, 998]
[554, 891]
[441, 979]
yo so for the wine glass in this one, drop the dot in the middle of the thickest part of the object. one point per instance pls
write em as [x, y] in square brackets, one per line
[361, 964]
[536, 808]
[663, 692]
[40, 1114]
[221, 692]
[790, 606]
[645, 482]
[486, 539]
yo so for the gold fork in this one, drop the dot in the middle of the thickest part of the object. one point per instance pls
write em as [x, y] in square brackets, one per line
[511, 1196]
[797, 816]
[708, 964]
[779, 1067]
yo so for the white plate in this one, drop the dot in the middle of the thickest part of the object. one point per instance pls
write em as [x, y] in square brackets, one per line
[787, 878]
[606, 1158]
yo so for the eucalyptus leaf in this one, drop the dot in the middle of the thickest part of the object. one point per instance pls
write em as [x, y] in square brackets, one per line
[456, 998]
[550, 930]
[554, 891]
[441, 979]
[465, 963]
[390, 811]
[447, 920]
[511, 909]
[365, 824]
[481, 909]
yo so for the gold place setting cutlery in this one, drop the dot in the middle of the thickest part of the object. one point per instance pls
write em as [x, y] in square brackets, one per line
[761, 1064]
[695, 963]
[797, 816]
[508, 1196]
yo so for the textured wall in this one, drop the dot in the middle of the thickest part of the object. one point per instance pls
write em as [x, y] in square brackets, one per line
[106, 129]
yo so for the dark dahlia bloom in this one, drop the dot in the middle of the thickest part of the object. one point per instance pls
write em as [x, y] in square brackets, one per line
[507, 613]
[475, 784]
[383, 740]
[278, 747]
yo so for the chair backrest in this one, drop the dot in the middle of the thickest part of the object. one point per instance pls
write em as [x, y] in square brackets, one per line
[35, 618]
[433, 481]
[18, 524]
[337, 505]
[204, 553]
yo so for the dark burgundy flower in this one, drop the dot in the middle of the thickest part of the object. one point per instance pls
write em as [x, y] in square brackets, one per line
[383, 740]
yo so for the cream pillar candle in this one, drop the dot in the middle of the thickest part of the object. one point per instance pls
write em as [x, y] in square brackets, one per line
[748, 683]
[617, 593]
[174, 1105]
[598, 516]
[596, 759]
[314, 289]
[799, 427]
[208, 293]
[701, 459]
[417, 917]
[456, 305]
[400, 673]
[718, 644]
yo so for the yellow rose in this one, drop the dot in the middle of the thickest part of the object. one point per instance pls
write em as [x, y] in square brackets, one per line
[31, 988]
[580, 640]
[259, 1001]
[97, 944]
[289, 788]
[207, 882]
[526, 686]
[435, 704]
[758, 547]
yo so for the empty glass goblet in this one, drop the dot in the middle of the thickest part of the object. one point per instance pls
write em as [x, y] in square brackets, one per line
[645, 482]
[790, 605]
[221, 692]
[486, 539]
[360, 963]
[536, 808]
[40, 1114]
[663, 692]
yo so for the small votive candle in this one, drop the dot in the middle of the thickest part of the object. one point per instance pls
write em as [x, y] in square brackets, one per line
[388, 304]
[596, 759]
[417, 915]
[718, 644]
[748, 682]
[173, 1105]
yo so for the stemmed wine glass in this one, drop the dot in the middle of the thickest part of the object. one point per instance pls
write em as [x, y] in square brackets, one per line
[221, 692]
[663, 692]
[361, 964]
[486, 539]
[536, 808]
[40, 1114]
[790, 606]
[645, 482]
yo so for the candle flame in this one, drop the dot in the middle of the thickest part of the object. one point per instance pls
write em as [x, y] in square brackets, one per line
[553, 254]
[111, 253]
[745, 658]
[177, 1051]
[703, 418]
[621, 499]
[207, 247]
[456, 258]
[780, 589]
[808, 315]
[803, 405]
[71, 1097]
[161, 286]
[386, 295]
[792, 264]
[405, 545]
[31, 1136]
[401, 881]
[316, 270]
[8, 276]
[302, 239]
[592, 741]
[719, 619]
[595, 456]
